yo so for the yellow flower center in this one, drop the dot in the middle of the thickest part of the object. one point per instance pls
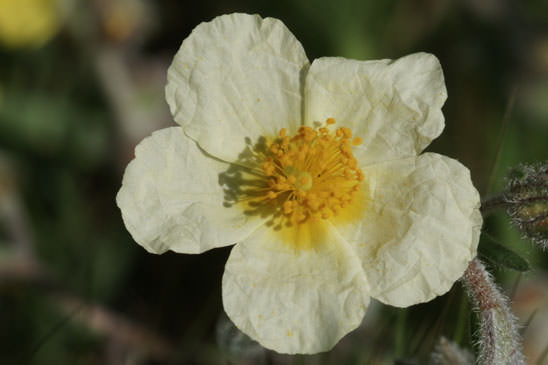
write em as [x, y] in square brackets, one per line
[310, 175]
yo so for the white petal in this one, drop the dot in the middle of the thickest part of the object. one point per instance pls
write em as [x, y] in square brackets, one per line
[295, 301]
[394, 106]
[420, 229]
[171, 198]
[237, 76]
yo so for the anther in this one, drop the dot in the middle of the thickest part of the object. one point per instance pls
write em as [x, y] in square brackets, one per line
[313, 174]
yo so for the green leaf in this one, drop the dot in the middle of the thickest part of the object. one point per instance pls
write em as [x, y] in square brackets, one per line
[498, 254]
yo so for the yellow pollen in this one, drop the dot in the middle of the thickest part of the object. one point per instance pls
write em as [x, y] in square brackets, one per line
[311, 175]
[288, 207]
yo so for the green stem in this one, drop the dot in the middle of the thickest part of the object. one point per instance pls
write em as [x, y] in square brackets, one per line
[463, 320]
[493, 203]
[400, 332]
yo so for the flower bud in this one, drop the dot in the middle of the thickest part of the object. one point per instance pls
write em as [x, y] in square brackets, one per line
[527, 200]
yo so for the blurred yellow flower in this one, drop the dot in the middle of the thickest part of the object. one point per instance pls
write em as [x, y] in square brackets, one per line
[314, 171]
[27, 23]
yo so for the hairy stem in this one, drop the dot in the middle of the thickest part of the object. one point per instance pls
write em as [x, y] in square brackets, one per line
[499, 339]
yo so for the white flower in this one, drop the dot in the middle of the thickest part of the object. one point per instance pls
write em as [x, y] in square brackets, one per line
[321, 220]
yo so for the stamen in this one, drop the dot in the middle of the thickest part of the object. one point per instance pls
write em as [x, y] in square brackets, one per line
[312, 175]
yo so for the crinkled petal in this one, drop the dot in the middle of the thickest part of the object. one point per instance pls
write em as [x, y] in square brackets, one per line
[171, 197]
[234, 77]
[295, 300]
[420, 229]
[394, 106]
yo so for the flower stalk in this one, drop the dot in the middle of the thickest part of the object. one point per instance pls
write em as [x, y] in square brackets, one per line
[499, 339]
[493, 204]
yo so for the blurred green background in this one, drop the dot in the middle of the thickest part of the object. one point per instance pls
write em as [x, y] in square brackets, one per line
[81, 83]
